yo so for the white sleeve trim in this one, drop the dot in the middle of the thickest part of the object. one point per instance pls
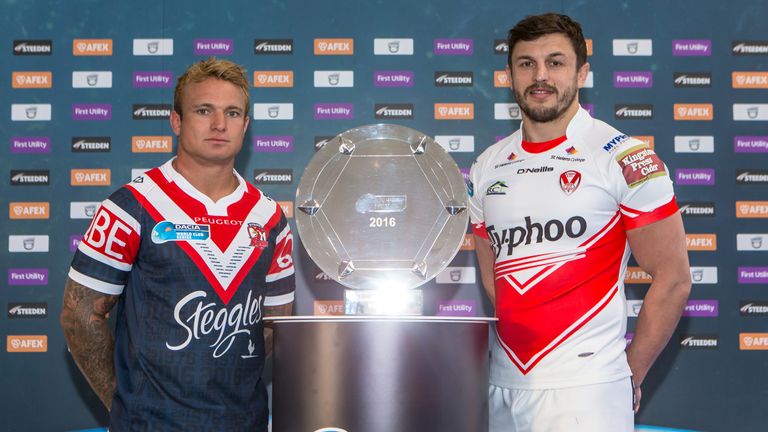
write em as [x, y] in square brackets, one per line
[276, 276]
[88, 250]
[95, 284]
[279, 300]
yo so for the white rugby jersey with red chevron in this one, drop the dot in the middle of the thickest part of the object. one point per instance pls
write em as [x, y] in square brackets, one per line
[556, 220]
[193, 276]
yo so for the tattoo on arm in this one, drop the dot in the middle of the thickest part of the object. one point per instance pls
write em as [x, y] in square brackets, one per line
[84, 321]
[271, 311]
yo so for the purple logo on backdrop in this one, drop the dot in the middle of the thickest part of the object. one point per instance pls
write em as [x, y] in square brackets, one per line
[701, 308]
[393, 78]
[590, 108]
[465, 308]
[273, 144]
[633, 79]
[454, 46]
[74, 242]
[213, 46]
[331, 111]
[143, 79]
[498, 138]
[753, 275]
[28, 276]
[750, 144]
[695, 176]
[628, 337]
[91, 112]
[30, 144]
[465, 173]
[691, 47]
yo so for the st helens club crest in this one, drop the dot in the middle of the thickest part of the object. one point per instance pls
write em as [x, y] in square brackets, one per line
[257, 235]
[569, 181]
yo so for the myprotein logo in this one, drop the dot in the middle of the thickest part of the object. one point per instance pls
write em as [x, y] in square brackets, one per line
[753, 341]
[701, 242]
[704, 275]
[30, 144]
[273, 46]
[328, 307]
[30, 112]
[701, 308]
[334, 46]
[749, 48]
[750, 144]
[752, 275]
[753, 308]
[263, 79]
[697, 209]
[454, 111]
[28, 243]
[272, 176]
[96, 112]
[402, 78]
[31, 80]
[749, 80]
[462, 308]
[27, 276]
[752, 209]
[100, 144]
[331, 79]
[695, 112]
[695, 176]
[751, 176]
[500, 47]
[632, 47]
[633, 112]
[456, 143]
[750, 112]
[151, 144]
[694, 144]
[633, 79]
[83, 209]
[699, 341]
[691, 47]
[90, 177]
[92, 47]
[334, 111]
[213, 46]
[148, 79]
[383, 46]
[152, 111]
[32, 47]
[273, 111]
[752, 242]
[393, 111]
[453, 46]
[454, 79]
[153, 47]
[27, 310]
[636, 275]
[91, 79]
[29, 210]
[692, 79]
[456, 275]
[26, 343]
[30, 177]
[273, 143]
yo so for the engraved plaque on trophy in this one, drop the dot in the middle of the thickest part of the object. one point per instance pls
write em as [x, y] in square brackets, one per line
[382, 211]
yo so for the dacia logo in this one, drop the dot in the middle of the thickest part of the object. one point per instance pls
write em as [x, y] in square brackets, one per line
[498, 188]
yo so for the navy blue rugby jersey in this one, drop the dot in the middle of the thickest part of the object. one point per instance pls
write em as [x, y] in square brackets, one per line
[193, 278]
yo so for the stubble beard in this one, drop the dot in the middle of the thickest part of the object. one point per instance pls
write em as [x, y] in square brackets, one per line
[547, 114]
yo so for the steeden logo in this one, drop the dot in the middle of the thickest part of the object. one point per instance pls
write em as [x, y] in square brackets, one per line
[454, 79]
[454, 111]
[92, 47]
[152, 111]
[752, 209]
[27, 343]
[91, 144]
[90, 177]
[749, 80]
[273, 46]
[703, 112]
[33, 47]
[29, 210]
[334, 46]
[30, 177]
[753, 341]
[393, 111]
[272, 176]
[633, 112]
[753, 308]
[692, 79]
[30, 80]
[742, 48]
[751, 176]
[151, 144]
[699, 341]
[273, 78]
[697, 209]
[27, 310]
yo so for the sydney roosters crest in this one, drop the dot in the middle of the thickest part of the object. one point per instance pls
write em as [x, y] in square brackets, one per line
[257, 235]
[569, 181]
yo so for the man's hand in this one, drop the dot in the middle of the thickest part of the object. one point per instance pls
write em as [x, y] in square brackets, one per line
[272, 311]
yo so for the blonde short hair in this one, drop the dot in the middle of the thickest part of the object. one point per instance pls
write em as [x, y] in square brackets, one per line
[213, 68]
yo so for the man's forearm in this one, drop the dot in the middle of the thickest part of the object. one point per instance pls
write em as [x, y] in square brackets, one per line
[86, 330]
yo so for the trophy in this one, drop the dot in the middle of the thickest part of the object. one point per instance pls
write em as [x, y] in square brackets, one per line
[382, 211]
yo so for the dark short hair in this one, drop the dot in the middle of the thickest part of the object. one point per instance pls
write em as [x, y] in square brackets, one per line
[212, 68]
[533, 27]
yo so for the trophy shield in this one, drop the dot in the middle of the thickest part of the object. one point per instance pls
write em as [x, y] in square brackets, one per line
[382, 211]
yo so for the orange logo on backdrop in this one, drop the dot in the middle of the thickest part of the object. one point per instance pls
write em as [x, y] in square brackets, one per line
[92, 47]
[500, 78]
[753, 341]
[273, 78]
[29, 210]
[701, 242]
[454, 111]
[334, 46]
[636, 275]
[752, 209]
[755, 80]
[27, 343]
[90, 177]
[287, 207]
[468, 243]
[647, 139]
[693, 112]
[589, 46]
[32, 80]
[328, 307]
[151, 144]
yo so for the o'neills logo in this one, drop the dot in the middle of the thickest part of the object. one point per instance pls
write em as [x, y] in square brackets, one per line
[151, 111]
[393, 111]
[697, 209]
[633, 112]
[273, 46]
[27, 310]
[454, 111]
[33, 47]
[273, 176]
[749, 47]
[692, 79]
[29, 210]
[30, 177]
[749, 80]
[454, 79]
[92, 47]
[27, 343]
[753, 308]
[151, 144]
[752, 209]
[91, 144]
[753, 176]
[542, 169]
[334, 46]
[90, 177]
[699, 341]
[535, 232]
[500, 46]
[32, 79]
[753, 341]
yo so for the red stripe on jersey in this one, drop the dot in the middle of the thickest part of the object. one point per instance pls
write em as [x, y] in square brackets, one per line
[646, 218]
[478, 229]
[282, 259]
[111, 237]
[541, 147]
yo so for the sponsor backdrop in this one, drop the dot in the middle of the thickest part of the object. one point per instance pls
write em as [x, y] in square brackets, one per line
[88, 88]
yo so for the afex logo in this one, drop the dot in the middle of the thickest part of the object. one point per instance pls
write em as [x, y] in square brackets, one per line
[636, 275]
[749, 80]
[287, 208]
[29, 210]
[90, 177]
[753, 341]
[752, 209]
[334, 46]
[273, 78]
[151, 144]
[454, 111]
[701, 242]
[328, 307]
[92, 47]
[693, 111]
[501, 78]
[27, 343]
[32, 79]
